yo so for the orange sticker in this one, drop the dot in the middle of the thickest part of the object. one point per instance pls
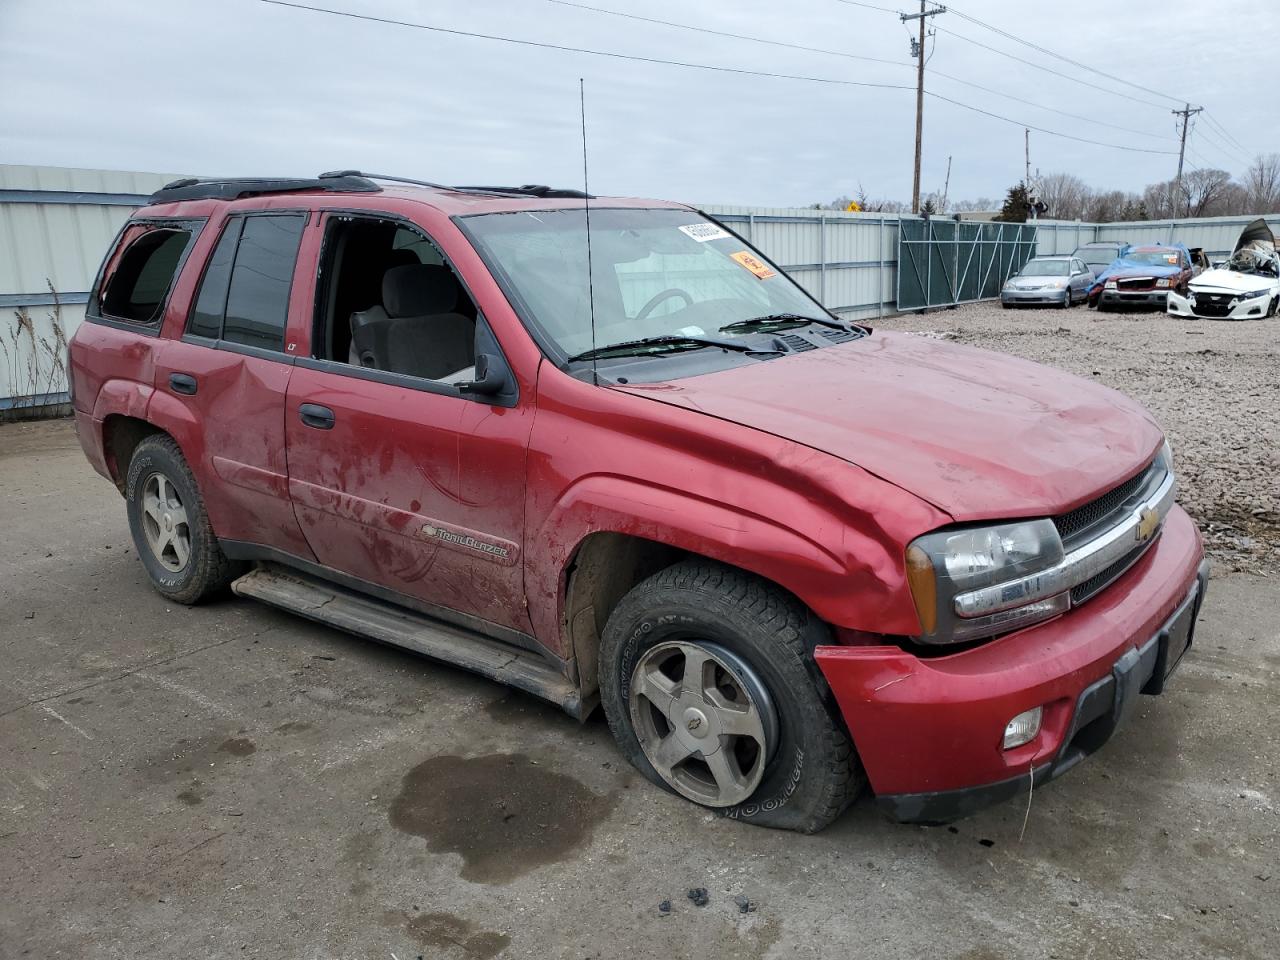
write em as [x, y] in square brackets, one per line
[753, 264]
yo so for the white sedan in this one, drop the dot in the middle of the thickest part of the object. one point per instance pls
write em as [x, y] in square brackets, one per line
[1246, 287]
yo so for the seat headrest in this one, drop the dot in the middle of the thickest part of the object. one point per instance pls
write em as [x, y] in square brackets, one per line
[418, 289]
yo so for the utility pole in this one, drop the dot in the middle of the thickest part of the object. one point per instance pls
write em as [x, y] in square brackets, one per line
[946, 186]
[1026, 138]
[919, 52]
[1186, 113]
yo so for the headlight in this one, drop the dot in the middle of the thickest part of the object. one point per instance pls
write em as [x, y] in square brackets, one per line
[1253, 295]
[944, 564]
[1164, 282]
[1110, 284]
[1057, 284]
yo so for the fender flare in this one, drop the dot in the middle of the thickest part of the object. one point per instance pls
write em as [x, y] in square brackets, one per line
[602, 503]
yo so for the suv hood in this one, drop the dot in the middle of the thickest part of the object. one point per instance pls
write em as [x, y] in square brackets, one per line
[977, 434]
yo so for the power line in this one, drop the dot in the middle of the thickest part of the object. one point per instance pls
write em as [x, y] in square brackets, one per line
[850, 56]
[697, 66]
[1039, 49]
[1032, 126]
[1223, 130]
[725, 33]
[1040, 66]
[595, 53]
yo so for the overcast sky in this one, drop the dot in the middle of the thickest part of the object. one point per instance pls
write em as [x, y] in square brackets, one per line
[241, 87]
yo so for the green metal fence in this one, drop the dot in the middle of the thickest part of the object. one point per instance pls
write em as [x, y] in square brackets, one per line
[944, 262]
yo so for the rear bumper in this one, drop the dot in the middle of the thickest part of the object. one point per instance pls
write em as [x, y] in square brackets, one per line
[929, 730]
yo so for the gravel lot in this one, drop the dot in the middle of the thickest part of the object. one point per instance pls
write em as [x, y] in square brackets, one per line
[1214, 386]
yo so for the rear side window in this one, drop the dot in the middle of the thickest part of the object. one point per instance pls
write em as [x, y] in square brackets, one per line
[244, 296]
[136, 289]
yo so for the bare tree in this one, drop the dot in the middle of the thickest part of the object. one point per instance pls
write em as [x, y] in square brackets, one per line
[1262, 184]
[1065, 194]
[1204, 192]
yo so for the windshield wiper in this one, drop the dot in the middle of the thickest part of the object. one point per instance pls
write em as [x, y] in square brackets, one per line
[780, 321]
[663, 344]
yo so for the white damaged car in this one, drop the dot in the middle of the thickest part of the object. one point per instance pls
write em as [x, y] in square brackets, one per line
[1246, 287]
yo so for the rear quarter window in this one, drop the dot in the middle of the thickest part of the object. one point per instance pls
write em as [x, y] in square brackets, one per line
[139, 276]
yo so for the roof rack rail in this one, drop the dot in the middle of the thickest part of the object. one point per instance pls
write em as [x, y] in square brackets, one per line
[534, 190]
[233, 188]
[529, 189]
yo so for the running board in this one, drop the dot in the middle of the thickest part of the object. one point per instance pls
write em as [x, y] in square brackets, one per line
[365, 616]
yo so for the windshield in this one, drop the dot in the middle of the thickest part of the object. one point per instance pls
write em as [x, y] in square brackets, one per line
[1154, 258]
[654, 273]
[1047, 268]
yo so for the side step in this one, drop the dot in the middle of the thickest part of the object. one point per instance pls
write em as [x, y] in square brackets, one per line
[342, 609]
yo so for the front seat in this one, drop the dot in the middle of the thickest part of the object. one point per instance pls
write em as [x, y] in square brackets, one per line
[369, 345]
[426, 337]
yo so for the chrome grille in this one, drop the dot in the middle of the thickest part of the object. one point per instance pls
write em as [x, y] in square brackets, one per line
[1075, 525]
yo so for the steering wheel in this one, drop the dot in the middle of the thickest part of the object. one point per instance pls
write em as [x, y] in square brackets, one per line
[658, 298]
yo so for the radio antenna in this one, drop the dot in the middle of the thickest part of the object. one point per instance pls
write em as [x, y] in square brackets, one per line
[586, 210]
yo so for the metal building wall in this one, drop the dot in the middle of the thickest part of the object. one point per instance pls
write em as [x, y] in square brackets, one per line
[55, 226]
[848, 261]
[56, 223]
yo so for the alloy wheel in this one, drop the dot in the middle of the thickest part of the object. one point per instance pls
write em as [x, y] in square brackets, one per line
[165, 523]
[704, 720]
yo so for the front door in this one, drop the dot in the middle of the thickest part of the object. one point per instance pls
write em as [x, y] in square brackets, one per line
[398, 479]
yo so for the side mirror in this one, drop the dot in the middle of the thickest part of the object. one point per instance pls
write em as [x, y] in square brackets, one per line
[490, 377]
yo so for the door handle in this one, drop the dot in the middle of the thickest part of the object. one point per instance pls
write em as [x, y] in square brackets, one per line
[182, 383]
[314, 415]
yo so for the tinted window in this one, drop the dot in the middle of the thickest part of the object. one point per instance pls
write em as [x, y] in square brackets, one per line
[137, 289]
[206, 318]
[258, 297]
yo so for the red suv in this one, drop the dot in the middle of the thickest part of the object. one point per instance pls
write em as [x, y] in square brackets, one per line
[604, 451]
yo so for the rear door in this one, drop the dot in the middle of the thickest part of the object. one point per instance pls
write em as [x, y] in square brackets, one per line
[230, 371]
[401, 481]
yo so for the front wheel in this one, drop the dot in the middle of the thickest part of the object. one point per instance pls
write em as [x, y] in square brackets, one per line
[169, 525]
[708, 680]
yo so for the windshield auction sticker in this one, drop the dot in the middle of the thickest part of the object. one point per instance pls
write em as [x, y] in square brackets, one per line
[702, 232]
[753, 264]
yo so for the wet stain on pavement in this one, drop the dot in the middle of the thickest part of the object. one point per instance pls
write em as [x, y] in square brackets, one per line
[190, 756]
[193, 795]
[444, 930]
[518, 709]
[504, 813]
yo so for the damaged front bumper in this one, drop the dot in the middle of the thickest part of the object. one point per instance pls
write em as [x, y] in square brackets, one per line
[1219, 306]
[929, 731]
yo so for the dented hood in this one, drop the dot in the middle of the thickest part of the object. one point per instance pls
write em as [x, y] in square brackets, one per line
[1256, 233]
[976, 433]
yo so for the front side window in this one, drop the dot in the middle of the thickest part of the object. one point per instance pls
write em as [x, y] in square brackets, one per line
[244, 294]
[136, 287]
[655, 272]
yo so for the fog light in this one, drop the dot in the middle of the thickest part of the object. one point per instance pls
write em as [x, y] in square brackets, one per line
[1022, 728]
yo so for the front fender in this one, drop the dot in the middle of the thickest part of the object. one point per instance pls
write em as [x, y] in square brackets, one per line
[848, 579]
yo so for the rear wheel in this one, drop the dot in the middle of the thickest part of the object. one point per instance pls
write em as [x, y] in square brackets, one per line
[708, 680]
[170, 527]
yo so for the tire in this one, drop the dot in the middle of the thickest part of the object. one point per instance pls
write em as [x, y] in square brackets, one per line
[163, 500]
[758, 642]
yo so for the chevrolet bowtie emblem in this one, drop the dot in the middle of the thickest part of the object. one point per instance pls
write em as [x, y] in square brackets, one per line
[1148, 523]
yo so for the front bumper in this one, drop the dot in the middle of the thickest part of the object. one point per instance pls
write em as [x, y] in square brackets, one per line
[1028, 297]
[1156, 299]
[929, 730]
[1180, 306]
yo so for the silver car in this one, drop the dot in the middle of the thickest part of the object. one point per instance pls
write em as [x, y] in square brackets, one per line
[1061, 281]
